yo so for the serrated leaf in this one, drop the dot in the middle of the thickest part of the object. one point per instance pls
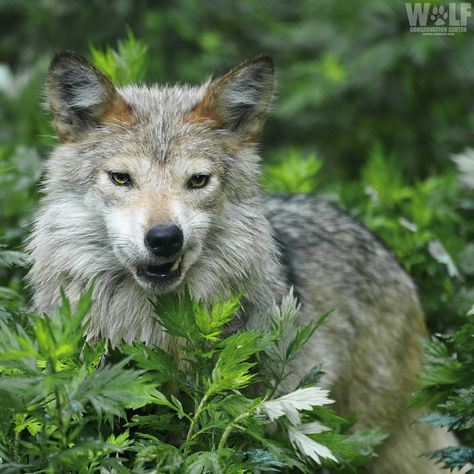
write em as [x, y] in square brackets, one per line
[437, 420]
[231, 370]
[153, 359]
[203, 463]
[304, 333]
[312, 377]
[176, 314]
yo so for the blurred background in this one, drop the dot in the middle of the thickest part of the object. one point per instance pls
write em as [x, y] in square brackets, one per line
[367, 112]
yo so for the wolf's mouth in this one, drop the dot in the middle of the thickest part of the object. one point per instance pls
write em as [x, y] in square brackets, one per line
[159, 274]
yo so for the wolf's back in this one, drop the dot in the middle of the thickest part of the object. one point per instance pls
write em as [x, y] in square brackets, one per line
[325, 246]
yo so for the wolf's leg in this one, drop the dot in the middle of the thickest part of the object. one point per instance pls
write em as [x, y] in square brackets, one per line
[378, 389]
[401, 453]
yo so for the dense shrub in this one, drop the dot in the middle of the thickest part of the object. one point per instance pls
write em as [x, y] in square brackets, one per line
[447, 388]
[65, 406]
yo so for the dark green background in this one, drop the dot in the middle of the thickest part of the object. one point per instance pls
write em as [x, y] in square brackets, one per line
[350, 73]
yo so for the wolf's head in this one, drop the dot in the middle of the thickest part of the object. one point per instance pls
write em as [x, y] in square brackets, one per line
[157, 183]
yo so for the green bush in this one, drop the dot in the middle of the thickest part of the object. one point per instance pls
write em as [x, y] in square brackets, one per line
[65, 406]
[292, 173]
[350, 74]
[447, 388]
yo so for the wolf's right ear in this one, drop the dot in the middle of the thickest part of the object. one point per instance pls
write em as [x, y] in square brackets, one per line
[80, 97]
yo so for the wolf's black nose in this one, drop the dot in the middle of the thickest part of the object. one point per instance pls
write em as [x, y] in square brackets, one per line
[164, 240]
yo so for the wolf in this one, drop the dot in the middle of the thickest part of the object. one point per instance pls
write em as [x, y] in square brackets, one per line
[153, 189]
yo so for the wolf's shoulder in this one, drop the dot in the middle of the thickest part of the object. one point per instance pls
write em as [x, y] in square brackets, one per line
[314, 233]
[306, 213]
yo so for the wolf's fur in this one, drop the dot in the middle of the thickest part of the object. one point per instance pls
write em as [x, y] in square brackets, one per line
[234, 238]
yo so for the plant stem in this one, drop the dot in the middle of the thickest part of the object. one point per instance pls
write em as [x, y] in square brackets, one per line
[277, 381]
[194, 421]
[16, 454]
[60, 416]
[230, 427]
[59, 408]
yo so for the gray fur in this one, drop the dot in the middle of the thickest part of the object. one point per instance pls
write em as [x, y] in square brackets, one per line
[235, 239]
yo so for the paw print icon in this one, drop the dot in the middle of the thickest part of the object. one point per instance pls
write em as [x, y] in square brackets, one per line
[439, 15]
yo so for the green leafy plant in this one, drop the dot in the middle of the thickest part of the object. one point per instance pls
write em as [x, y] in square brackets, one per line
[66, 407]
[292, 172]
[447, 389]
[55, 394]
[124, 65]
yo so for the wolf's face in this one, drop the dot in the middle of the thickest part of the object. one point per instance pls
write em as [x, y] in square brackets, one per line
[161, 170]
[159, 210]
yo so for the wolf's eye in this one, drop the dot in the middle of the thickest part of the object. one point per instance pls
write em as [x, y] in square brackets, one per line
[120, 179]
[198, 181]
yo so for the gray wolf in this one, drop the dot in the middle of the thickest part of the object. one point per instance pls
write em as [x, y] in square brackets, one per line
[152, 189]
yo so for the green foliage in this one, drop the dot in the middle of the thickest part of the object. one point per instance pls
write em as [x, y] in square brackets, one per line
[55, 395]
[289, 338]
[127, 64]
[292, 172]
[342, 86]
[64, 407]
[19, 172]
[11, 258]
[447, 388]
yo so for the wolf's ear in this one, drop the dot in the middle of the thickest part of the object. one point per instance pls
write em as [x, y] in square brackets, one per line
[239, 100]
[80, 97]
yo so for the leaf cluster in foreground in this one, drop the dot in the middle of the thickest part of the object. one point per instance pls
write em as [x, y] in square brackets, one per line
[68, 406]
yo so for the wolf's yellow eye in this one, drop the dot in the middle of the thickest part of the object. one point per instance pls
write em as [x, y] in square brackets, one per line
[120, 179]
[198, 181]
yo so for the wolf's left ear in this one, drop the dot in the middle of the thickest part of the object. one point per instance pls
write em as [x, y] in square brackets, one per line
[239, 100]
[80, 97]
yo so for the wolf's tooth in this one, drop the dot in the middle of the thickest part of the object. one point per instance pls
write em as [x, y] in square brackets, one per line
[176, 264]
